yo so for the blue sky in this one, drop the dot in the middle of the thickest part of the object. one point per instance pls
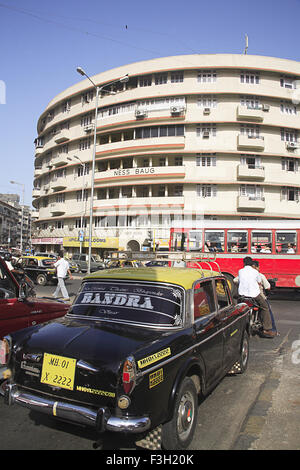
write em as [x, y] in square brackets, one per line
[42, 43]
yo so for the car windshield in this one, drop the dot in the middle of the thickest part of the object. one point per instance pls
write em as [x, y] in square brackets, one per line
[139, 303]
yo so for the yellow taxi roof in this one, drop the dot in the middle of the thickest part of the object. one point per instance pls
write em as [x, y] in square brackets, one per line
[184, 277]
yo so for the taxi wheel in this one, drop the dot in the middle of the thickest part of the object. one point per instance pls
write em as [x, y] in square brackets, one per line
[241, 365]
[41, 280]
[179, 432]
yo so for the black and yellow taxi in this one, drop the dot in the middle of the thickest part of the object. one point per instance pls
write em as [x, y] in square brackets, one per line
[40, 269]
[135, 351]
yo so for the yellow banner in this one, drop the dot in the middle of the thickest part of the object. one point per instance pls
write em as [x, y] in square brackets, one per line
[97, 242]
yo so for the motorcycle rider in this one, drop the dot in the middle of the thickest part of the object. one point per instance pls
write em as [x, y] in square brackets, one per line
[249, 286]
[264, 286]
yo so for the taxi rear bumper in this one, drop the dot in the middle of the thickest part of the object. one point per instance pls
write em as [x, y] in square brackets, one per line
[100, 419]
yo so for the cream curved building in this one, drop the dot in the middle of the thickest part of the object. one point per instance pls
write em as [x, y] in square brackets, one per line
[199, 136]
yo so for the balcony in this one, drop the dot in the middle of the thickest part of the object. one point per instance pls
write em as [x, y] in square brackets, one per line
[250, 172]
[61, 159]
[36, 192]
[58, 184]
[250, 203]
[250, 114]
[250, 142]
[62, 136]
[57, 208]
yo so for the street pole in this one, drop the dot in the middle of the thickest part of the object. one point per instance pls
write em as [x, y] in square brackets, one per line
[98, 89]
[22, 212]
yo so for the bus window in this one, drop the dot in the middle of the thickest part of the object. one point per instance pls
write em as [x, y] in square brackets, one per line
[195, 241]
[237, 242]
[214, 241]
[261, 242]
[286, 242]
[179, 241]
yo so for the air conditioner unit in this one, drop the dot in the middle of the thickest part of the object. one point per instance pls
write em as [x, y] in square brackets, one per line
[140, 113]
[88, 128]
[291, 145]
[205, 134]
[265, 107]
[177, 109]
[206, 111]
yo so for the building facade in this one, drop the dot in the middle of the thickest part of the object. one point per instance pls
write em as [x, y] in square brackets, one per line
[196, 136]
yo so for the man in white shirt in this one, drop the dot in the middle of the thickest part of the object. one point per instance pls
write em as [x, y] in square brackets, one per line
[62, 269]
[249, 286]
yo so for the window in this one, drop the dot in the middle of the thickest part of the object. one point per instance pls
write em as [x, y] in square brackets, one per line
[60, 198]
[207, 101]
[178, 190]
[237, 241]
[7, 284]
[79, 195]
[161, 190]
[206, 190]
[206, 160]
[287, 82]
[252, 131]
[176, 77]
[83, 169]
[288, 135]
[63, 149]
[59, 224]
[86, 120]
[207, 76]
[251, 161]
[145, 80]
[84, 144]
[206, 130]
[78, 223]
[248, 77]
[214, 241]
[287, 107]
[290, 194]
[252, 191]
[289, 164]
[252, 102]
[161, 78]
[161, 131]
[261, 242]
[195, 240]
[66, 106]
[87, 97]
[204, 300]
[178, 161]
[286, 241]
[223, 298]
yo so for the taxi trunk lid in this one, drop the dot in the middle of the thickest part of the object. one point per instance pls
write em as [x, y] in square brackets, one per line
[49, 360]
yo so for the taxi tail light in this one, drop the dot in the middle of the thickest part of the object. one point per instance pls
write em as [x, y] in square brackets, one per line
[4, 350]
[129, 375]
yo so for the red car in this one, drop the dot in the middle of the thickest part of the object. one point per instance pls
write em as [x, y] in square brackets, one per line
[19, 308]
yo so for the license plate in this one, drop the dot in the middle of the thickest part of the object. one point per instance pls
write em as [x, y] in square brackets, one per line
[58, 371]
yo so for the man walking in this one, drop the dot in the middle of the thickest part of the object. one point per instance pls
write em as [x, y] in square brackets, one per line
[249, 281]
[62, 269]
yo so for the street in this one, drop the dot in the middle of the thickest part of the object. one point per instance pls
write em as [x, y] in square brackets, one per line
[257, 410]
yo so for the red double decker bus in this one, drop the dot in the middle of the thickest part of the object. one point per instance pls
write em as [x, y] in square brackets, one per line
[275, 244]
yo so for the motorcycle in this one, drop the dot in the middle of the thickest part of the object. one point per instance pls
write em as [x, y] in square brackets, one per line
[256, 326]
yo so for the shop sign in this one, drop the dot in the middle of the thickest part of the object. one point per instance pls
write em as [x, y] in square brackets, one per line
[97, 242]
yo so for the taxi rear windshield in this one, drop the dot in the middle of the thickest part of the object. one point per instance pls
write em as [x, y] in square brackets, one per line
[130, 302]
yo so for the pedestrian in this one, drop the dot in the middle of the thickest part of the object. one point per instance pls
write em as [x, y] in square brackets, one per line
[62, 269]
[249, 281]
[264, 286]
